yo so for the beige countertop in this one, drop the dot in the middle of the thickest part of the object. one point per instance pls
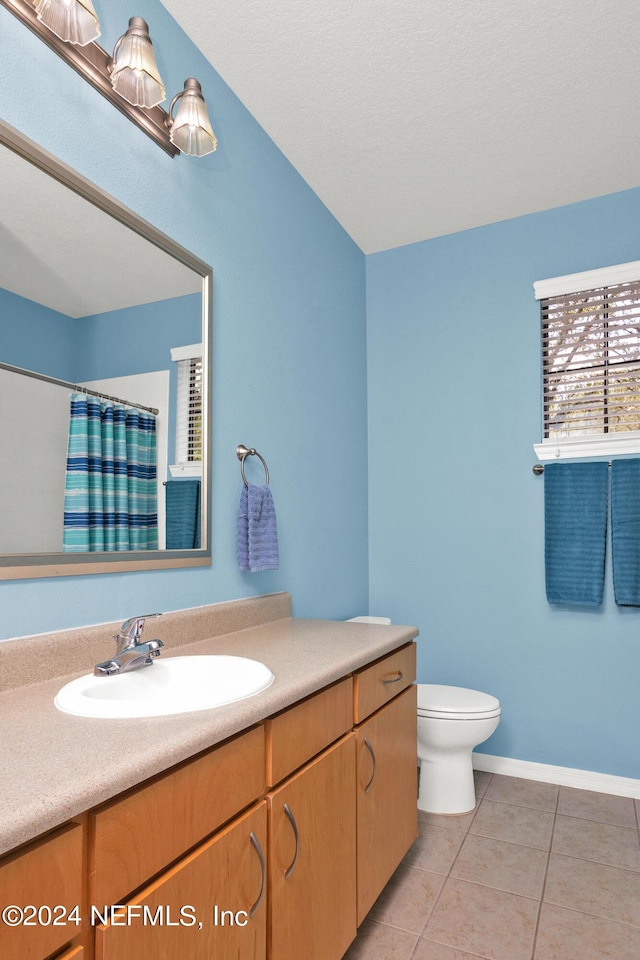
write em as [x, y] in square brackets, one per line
[54, 766]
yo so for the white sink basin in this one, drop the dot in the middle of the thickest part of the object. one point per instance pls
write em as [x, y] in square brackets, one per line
[169, 685]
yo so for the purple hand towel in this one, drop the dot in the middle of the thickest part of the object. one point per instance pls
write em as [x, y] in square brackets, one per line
[257, 530]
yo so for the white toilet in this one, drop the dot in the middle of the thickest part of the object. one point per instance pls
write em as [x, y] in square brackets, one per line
[451, 722]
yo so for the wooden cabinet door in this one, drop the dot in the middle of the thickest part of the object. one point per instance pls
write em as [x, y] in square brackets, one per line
[386, 790]
[312, 851]
[47, 874]
[210, 906]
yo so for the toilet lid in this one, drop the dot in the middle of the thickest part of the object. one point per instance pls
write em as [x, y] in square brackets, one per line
[442, 701]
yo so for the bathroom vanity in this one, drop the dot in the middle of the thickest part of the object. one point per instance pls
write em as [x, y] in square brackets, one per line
[265, 828]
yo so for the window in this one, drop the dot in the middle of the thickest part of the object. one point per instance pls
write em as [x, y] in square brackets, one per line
[188, 457]
[590, 363]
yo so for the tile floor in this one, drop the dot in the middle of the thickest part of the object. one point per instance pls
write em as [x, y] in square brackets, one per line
[536, 872]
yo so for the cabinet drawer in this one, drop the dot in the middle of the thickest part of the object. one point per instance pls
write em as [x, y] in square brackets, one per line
[75, 953]
[383, 680]
[47, 874]
[137, 835]
[302, 731]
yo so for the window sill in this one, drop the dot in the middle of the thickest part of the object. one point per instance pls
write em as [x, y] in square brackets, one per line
[182, 470]
[622, 444]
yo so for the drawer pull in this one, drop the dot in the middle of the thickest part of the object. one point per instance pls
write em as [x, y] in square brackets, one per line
[393, 679]
[292, 821]
[373, 757]
[258, 849]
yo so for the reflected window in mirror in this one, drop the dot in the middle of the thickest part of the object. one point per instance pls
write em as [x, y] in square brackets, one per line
[188, 411]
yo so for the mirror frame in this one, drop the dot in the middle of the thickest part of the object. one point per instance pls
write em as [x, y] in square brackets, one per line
[37, 565]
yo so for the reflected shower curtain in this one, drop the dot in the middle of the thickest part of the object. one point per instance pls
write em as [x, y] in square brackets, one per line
[110, 500]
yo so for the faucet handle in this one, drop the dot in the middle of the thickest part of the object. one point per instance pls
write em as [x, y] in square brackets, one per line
[131, 630]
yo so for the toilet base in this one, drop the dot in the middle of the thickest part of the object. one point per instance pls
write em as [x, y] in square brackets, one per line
[447, 786]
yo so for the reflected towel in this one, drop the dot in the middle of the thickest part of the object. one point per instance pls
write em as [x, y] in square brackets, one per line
[625, 531]
[182, 498]
[575, 518]
[257, 530]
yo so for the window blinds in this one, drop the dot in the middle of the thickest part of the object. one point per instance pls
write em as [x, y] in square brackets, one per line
[591, 361]
[189, 419]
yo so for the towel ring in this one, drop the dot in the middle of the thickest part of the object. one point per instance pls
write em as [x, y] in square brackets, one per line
[242, 453]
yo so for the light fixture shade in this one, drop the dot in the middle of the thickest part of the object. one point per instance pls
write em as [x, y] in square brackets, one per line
[190, 130]
[73, 20]
[134, 73]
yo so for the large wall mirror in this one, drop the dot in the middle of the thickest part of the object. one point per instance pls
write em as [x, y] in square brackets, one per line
[100, 313]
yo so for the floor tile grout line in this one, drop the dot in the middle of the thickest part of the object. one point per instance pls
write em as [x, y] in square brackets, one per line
[511, 843]
[594, 916]
[394, 926]
[544, 882]
[447, 875]
[488, 886]
[463, 953]
[415, 947]
[607, 823]
[433, 906]
[515, 803]
[597, 863]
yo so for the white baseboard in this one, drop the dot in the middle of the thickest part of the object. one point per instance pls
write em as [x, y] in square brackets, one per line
[565, 776]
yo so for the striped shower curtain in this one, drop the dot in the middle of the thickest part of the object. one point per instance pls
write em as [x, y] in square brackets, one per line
[110, 498]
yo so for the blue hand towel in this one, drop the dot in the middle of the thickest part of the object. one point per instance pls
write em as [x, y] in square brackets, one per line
[625, 531]
[257, 530]
[182, 498]
[575, 518]
[243, 530]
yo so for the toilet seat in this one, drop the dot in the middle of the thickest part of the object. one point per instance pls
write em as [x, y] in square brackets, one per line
[455, 703]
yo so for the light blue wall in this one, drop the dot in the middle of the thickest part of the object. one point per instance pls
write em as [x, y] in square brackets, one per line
[36, 337]
[138, 339]
[114, 344]
[289, 331]
[456, 514]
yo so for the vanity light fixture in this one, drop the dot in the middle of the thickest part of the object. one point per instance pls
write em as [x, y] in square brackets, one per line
[75, 21]
[134, 71]
[130, 79]
[190, 130]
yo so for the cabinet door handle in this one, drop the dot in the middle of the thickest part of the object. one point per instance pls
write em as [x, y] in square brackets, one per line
[394, 679]
[258, 849]
[373, 757]
[294, 825]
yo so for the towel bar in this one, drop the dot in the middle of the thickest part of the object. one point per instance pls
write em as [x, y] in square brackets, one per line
[242, 453]
[538, 468]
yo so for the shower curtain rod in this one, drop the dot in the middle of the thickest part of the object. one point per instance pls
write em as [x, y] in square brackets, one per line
[75, 386]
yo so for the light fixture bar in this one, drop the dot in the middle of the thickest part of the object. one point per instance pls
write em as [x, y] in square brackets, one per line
[91, 62]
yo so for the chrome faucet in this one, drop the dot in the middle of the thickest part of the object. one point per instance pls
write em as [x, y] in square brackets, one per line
[131, 653]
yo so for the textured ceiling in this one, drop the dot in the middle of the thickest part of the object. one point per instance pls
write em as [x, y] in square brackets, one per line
[59, 250]
[416, 118]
